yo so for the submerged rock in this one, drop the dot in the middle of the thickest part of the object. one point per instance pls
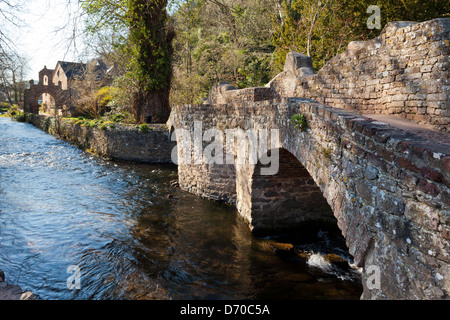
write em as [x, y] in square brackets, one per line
[334, 258]
[12, 291]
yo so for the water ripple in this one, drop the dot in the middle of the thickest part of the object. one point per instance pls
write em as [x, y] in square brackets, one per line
[61, 207]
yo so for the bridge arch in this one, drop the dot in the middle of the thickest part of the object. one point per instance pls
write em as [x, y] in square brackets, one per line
[33, 94]
[45, 86]
[288, 199]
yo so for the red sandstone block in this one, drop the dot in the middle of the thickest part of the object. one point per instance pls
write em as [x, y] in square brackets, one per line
[359, 125]
[397, 104]
[419, 150]
[431, 174]
[422, 118]
[429, 188]
[406, 164]
[369, 131]
[374, 159]
[358, 151]
[437, 97]
[446, 233]
[447, 183]
[405, 146]
[446, 163]
[415, 103]
[383, 136]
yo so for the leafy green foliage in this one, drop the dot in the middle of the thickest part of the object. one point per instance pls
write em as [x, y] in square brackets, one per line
[143, 128]
[319, 29]
[220, 41]
[299, 122]
[323, 29]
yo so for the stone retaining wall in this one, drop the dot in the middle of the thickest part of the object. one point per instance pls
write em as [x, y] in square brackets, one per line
[115, 142]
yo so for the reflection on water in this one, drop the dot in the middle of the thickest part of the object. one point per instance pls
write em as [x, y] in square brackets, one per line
[133, 236]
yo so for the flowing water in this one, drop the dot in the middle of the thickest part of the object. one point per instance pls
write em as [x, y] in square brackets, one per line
[134, 236]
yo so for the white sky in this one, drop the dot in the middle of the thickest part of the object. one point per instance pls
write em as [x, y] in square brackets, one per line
[39, 42]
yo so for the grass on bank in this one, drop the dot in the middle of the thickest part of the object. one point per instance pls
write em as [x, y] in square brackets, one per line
[109, 122]
[12, 111]
[4, 107]
[103, 123]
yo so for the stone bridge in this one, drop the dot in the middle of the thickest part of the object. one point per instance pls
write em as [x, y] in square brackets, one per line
[385, 188]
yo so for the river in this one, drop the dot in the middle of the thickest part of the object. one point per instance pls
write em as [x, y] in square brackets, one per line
[131, 235]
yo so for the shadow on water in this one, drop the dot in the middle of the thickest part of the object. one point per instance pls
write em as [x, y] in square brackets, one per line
[135, 236]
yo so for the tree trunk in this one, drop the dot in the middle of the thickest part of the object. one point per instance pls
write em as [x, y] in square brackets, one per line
[151, 33]
[152, 107]
[15, 87]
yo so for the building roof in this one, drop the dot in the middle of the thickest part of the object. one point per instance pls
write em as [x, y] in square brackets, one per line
[76, 70]
[73, 70]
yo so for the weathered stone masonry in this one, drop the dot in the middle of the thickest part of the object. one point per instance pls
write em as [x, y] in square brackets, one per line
[124, 143]
[32, 94]
[388, 190]
[404, 72]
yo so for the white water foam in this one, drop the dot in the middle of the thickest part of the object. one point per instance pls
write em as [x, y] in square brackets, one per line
[317, 260]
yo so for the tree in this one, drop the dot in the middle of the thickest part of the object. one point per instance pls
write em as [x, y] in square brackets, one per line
[12, 81]
[220, 41]
[320, 29]
[92, 93]
[12, 65]
[145, 36]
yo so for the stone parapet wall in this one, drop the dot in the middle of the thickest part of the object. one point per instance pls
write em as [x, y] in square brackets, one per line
[116, 142]
[404, 72]
[224, 93]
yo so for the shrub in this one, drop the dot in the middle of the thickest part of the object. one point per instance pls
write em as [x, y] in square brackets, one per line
[143, 128]
[299, 122]
[117, 117]
[20, 117]
[13, 111]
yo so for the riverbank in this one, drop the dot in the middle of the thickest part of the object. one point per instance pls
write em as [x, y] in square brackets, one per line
[112, 141]
[12, 291]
